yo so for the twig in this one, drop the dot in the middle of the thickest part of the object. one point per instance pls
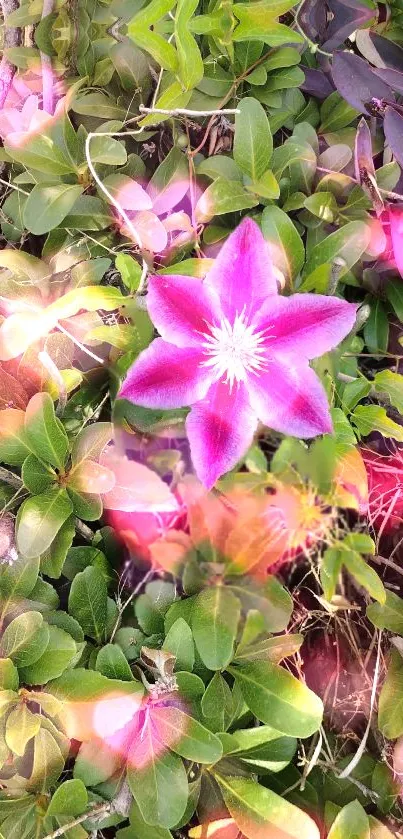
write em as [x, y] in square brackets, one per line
[9, 478]
[381, 560]
[360, 751]
[113, 200]
[84, 530]
[129, 600]
[177, 112]
[55, 374]
[80, 345]
[98, 810]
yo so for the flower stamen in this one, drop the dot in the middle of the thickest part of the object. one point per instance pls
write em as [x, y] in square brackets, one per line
[236, 349]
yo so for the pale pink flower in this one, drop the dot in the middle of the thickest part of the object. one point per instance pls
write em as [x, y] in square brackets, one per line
[237, 352]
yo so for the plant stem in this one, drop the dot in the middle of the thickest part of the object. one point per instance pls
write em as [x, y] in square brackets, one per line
[99, 809]
[129, 600]
[9, 478]
[177, 112]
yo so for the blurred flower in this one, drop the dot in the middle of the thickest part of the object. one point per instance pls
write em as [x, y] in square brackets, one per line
[18, 126]
[385, 480]
[151, 213]
[236, 351]
[350, 482]
[8, 551]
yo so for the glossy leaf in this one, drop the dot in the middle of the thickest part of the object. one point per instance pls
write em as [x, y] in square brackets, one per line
[214, 623]
[278, 699]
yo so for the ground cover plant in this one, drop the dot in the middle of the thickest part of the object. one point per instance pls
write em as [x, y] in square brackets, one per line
[201, 401]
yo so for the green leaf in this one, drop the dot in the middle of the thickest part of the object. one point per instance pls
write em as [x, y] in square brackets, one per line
[112, 662]
[253, 142]
[271, 600]
[270, 649]
[285, 243]
[191, 68]
[96, 762]
[42, 154]
[260, 813]
[21, 726]
[390, 710]
[8, 675]
[263, 748]
[347, 244]
[336, 113]
[158, 781]
[46, 435]
[129, 270]
[217, 704]
[70, 799]
[323, 205]
[47, 206]
[368, 418]
[40, 519]
[330, 568]
[394, 293]
[18, 580]
[141, 27]
[221, 197]
[90, 442]
[392, 384]
[48, 762]
[53, 559]
[108, 151]
[257, 21]
[278, 699]
[214, 623]
[139, 829]
[387, 615]
[25, 639]
[37, 476]
[364, 574]
[351, 823]
[376, 329]
[87, 602]
[59, 653]
[14, 444]
[179, 642]
[185, 736]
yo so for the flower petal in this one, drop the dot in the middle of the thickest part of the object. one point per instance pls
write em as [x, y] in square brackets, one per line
[290, 399]
[396, 231]
[165, 376]
[243, 274]
[181, 307]
[305, 324]
[220, 430]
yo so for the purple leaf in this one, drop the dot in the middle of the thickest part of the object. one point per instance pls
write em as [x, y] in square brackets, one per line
[393, 128]
[363, 150]
[312, 18]
[391, 77]
[317, 83]
[390, 54]
[348, 15]
[356, 81]
[364, 166]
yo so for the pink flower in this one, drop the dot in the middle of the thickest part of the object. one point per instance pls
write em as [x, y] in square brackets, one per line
[144, 208]
[236, 352]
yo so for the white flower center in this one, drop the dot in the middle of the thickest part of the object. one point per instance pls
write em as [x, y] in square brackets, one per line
[234, 350]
